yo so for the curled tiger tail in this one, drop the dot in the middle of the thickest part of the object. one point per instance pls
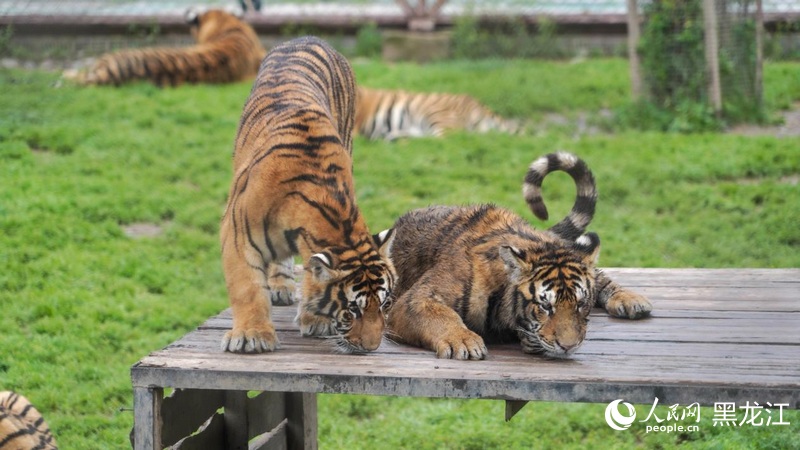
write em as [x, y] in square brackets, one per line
[574, 225]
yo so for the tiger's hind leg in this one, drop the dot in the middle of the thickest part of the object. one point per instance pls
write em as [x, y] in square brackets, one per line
[619, 301]
[280, 281]
[246, 279]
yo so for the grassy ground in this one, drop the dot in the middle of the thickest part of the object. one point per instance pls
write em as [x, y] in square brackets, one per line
[82, 301]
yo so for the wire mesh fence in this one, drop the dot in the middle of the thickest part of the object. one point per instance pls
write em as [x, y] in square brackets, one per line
[702, 59]
[77, 8]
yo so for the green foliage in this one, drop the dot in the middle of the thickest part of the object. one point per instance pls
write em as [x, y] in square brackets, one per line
[737, 68]
[7, 47]
[513, 39]
[82, 301]
[775, 43]
[674, 67]
[672, 52]
[369, 41]
[148, 33]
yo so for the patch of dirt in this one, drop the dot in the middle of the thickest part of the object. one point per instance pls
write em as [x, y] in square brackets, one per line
[142, 230]
[791, 180]
[789, 128]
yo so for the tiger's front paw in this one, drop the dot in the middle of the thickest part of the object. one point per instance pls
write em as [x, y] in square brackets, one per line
[313, 325]
[253, 340]
[281, 291]
[628, 305]
[462, 344]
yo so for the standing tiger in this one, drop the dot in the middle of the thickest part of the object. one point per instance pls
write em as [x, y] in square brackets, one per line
[227, 50]
[292, 193]
[389, 115]
[466, 274]
[21, 425]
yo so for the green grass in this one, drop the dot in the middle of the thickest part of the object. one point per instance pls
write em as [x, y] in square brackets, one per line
[81, 301]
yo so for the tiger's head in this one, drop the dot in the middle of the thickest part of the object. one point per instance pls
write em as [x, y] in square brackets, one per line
[205, 24]
[346, 292]
[553, 291]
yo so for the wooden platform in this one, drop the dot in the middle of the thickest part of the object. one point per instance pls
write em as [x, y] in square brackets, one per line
[716, 335]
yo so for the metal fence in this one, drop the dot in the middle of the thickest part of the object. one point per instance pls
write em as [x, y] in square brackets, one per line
[703, 54]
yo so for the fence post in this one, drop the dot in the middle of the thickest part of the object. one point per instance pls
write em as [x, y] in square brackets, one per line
[634, 33]
[712, 55]
[759, 75]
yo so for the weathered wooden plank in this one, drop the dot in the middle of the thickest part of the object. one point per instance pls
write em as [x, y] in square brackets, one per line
[433, 380]
[636, 277]
[301, 410]
[211, 435]
[689, 314]
[236, 420]
[286, 373]
[275, 439]
[188, 409]
[512, 366]
[751, 353]
[513, 407]
[147, 417]
[265, 412]
[668, 388]
[781, 296]
[785, 330]
[598, 341]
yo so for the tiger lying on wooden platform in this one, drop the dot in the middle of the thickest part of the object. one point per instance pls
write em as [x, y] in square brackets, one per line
[227, 50]
[475, 273]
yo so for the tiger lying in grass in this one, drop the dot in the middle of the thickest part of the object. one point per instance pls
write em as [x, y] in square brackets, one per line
[227, 50]
[469, 274]
[392, 114]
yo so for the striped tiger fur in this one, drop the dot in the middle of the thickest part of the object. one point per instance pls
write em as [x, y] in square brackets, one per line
[472, 274]
[21, 425]
[227, 50]
[293, 193]
[391, 114]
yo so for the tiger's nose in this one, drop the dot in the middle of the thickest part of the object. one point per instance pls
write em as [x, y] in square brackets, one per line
[370, 344]
[567, 347]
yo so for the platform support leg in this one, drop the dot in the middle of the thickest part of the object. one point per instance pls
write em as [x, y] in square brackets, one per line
[147, 418]
[301, 410]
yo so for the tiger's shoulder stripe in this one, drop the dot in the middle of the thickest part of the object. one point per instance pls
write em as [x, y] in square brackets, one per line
[582, 213]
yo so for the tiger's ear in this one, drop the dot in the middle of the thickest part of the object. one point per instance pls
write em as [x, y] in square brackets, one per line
[588, 245]
[514, 260]
[192, 15]
[384, 241]
[321, 267]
